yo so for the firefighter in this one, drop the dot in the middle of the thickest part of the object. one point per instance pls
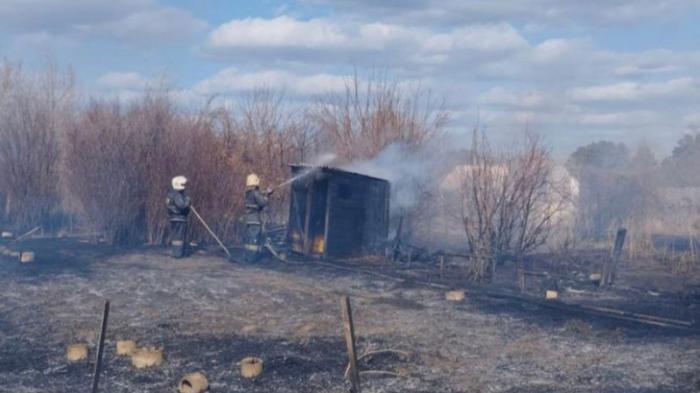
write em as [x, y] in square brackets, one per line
[255, 202]
[178, 205]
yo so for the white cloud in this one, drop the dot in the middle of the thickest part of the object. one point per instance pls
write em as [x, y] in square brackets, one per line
[231, 80]
[145, 27]
[499, 96]
[567, 87]
[282, 31]
[692, 122]
[298, 38]
[625, 119]
[135, 21]
[59, 15]
[488, 38]
[632, 91]
[532, 12]
[560, 80]
[556, 49]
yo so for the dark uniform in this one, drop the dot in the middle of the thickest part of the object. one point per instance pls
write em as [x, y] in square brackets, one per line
[255, 202]
[178, 204]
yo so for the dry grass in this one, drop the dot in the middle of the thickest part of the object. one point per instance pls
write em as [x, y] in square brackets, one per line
[578, 327]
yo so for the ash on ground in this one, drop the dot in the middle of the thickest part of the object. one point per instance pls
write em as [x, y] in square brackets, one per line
[207, 314]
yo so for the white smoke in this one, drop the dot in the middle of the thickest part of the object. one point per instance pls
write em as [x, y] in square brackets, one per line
[411, 173]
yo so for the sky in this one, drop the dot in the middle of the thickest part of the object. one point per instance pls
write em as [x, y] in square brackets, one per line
[574, 71]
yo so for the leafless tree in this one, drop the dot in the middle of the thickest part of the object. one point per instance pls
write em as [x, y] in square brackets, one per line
[34, 109]
[366, 117]
[508, 202]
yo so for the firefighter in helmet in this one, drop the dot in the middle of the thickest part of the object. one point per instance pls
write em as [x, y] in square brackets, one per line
[178, 206]
[255, 202]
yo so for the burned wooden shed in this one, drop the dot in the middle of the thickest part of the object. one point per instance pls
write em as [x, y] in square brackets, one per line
[336, 213]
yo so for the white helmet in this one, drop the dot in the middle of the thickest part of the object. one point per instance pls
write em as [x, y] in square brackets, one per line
[179, 183]
[252, 180]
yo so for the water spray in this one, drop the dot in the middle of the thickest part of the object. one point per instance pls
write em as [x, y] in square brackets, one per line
[321, 161]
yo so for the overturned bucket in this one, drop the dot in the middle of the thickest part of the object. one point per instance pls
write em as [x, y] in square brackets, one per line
[76, 352]
[251, 367]
[146, 357]
[26, 256]
[193, 383]
[454, 296]
[125, 347]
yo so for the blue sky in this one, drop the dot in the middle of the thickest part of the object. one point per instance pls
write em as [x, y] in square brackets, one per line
[574, 71]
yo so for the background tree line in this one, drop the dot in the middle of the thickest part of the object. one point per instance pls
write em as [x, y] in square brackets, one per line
[104, 165]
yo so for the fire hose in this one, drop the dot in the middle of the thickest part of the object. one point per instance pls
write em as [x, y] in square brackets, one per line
[210, 231]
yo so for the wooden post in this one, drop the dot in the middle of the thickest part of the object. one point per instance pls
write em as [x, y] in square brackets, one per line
[521, 274]
[349, 331]
[442, 266]
[307, 220]
[327, 223]
[617, 253]
[100, 348]
[397, 240]
[610, 265]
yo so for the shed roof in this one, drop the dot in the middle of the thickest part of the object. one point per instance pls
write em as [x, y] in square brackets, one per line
[337, 170]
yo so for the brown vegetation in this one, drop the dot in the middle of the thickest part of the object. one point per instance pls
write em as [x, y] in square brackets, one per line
[34, 110]
[119, 162]
[366, 118]
[506, 204]
[108, 164]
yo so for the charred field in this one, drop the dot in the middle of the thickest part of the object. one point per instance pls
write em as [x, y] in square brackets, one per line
[207, 314]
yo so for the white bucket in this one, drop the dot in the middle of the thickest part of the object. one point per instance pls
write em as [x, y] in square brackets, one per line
[26, 257]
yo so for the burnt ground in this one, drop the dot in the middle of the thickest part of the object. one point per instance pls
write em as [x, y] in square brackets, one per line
[207, 314]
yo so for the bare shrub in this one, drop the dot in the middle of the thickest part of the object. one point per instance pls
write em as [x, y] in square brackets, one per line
[172, 143]
[34, 110]
[120, 160]
[102, 174]
[508, 202]
[263, 135]
[367, 117]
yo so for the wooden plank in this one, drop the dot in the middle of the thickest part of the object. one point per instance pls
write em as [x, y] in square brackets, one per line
[442, 266]
[617, 253]
[100, 348]
[307, 219]
[349, 332]
[296, 218]
[610, 264]
[327, 241]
